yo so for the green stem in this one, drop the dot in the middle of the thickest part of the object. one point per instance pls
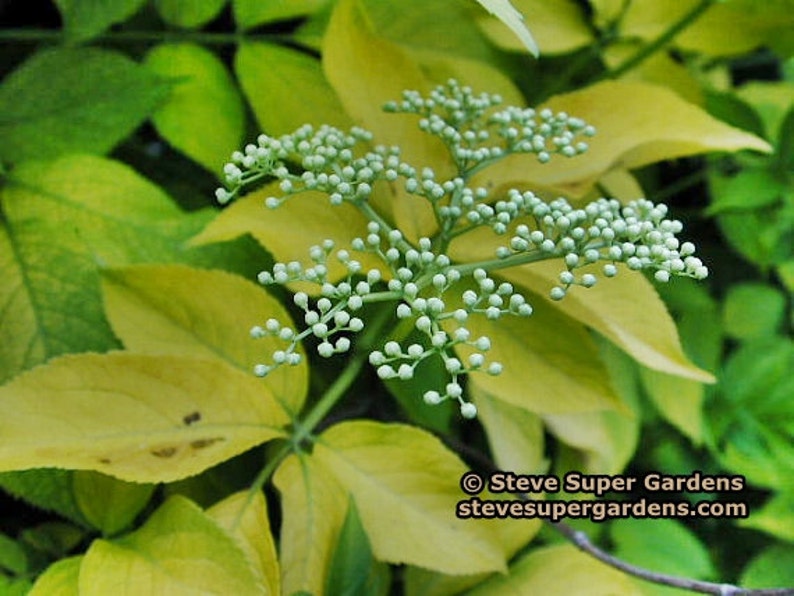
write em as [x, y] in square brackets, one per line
[326, 402]
[204, 37]
[515, 260]
[660, 41]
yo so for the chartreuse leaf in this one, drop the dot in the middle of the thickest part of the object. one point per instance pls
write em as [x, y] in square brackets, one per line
[314, 507]
[559, 570]
[605, 441]
[183, 311]
[109, 504]
[625, 138]
[203, 116]
[665, 545]
[774, 566]
[51, 303]
[179, 550]
[558, 25]
[304, 220]
[60, 579]
[514, 20]
[353, 570]
[550, 363]
[84, 19]
[514, 434]
[286, 88]
[366, 71]
[726, 28]
[137, 417]
[626, 309]
[244, 517]
[188, 13]
[45, 114]
[776, 517]
[396, 472]
[679, 400]
[250, 13]
[413, 24]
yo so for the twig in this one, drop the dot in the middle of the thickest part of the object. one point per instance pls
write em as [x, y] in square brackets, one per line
[583, 543]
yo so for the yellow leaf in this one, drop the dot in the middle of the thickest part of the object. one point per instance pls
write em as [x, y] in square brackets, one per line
[558, 25]
[367, 71]
[659, 69]
[204, 115]
[183, 311]
[286, 89]
[137, 417]
[513, 20]
[404, 479]
[179, 550]
[726, 28]
[550, 363]
[626, 309]
[514, 434]
[304, 220]
[59, 579]
[628, 138]
[314, 507]
[680, 401]
[244, 517]
[557, 571]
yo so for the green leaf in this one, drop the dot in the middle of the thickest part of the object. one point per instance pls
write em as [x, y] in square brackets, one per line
[45, 114]
[183, 311]
[664, 545]
[397, 472]
[751, 188]
[84, 19]
[109, 504]
[62, 222]
[250, 13]
[785, 147]
[514, 21]
[180, 550]
[204, 115]
[244, 517]
[286, 89]
[139, 418]
[353, 569]
[774, 566]
[776, 517]
[558, 570]
[752, 422]
[764, 236]
[50, 490]
[753, 310]
[13, 558]
[313, 507]
[189, 14]
[60, 579]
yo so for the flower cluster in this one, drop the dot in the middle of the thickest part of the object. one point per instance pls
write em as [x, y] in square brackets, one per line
[426, 287]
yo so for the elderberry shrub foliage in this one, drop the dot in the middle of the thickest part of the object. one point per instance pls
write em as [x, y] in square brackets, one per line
[419, 278]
